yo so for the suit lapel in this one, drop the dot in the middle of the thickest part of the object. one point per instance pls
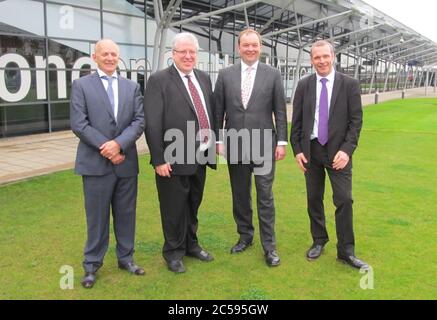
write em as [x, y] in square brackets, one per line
[181, 86]
[122, 89]
[237, 77]
[335, 91]
[100, 89]
[312, 94]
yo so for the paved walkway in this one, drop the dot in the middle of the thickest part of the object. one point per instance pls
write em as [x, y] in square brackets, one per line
[34, 155]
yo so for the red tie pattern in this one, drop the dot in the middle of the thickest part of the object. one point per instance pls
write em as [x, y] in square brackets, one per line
[200, 110]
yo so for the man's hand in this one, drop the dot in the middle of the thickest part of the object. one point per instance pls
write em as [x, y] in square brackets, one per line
[301, 161]
[119, 158]
[220, 149]
[280, 153]
[164, 170]
[110, 149]
[341, 159]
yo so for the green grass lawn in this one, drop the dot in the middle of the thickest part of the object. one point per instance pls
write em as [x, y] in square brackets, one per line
[42, 227]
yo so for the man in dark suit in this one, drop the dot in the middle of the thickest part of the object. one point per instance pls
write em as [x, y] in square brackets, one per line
[327, 120]
[106, 113]
[178, 107]
[247, 95]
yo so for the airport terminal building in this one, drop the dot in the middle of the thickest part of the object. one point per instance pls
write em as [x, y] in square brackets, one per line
[45, 45]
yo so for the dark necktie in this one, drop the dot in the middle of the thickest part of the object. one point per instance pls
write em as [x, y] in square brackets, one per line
[323, 114]
[200, 110]
[110, 91]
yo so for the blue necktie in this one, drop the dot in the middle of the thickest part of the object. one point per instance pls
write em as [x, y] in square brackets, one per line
[323, 114]
[110, 91]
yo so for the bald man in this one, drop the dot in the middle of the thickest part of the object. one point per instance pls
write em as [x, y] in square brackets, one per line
[106, 113]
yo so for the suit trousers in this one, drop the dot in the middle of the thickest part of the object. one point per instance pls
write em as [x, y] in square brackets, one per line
[341, 182]
[180, 197]
[102, 193]
[241, 185]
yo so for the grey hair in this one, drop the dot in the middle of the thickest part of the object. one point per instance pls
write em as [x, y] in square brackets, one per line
[185, 36]
[322, 43]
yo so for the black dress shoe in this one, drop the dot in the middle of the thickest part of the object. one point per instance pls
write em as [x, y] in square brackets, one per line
[88, 280]
[201, 255]
[353, 261]
[132, 268]
[176, 266]
[314, 252]
[272, 258]
[240, 247]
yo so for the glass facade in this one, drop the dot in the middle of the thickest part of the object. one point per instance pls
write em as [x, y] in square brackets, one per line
[49, 44]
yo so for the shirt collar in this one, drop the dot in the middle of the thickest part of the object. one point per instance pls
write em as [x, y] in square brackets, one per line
[102, 74]
[244, 66]
[191, 74]
[330, 76]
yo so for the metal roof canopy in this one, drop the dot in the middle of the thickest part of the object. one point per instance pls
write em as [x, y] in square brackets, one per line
[354, 27]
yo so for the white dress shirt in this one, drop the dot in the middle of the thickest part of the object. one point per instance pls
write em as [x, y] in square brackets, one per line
[329, 86]
[244, 67]
[114, 88]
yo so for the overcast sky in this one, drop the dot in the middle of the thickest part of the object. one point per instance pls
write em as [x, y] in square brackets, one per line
[420, 15]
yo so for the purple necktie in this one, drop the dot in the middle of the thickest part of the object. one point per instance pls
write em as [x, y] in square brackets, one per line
[323, 114]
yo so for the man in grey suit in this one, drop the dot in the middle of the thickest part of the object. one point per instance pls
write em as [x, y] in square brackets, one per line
[106, 113]
[327, 120]
[247, 95]
[179, 98]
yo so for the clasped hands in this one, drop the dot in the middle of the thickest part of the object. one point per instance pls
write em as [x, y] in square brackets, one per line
[111, 150]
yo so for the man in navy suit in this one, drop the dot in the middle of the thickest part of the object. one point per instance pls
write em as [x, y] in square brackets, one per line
[106, 113]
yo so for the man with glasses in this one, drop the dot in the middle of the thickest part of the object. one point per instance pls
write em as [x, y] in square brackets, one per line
[179, 98]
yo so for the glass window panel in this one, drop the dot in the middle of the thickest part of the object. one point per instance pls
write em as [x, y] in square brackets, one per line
[93, 4]
[60, 113]
[26, 47]
[22, 120]
[122, 28]
[23, 15]
[122, 6]
[72, 22]
[70, 51]
[16, 87]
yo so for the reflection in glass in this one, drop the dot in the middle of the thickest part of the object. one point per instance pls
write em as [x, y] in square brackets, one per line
[95, 4]
[73, 23]
[25, 119]
[24, 15]
[122, 6]
[125, 29]
[60, 114]
[24, 46]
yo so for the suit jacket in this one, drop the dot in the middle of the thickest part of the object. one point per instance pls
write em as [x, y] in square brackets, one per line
[168, 106]
[267, 99]
[345, 115]
[92, 120]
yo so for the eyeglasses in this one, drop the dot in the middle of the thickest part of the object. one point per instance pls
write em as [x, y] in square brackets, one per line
[185, 52]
